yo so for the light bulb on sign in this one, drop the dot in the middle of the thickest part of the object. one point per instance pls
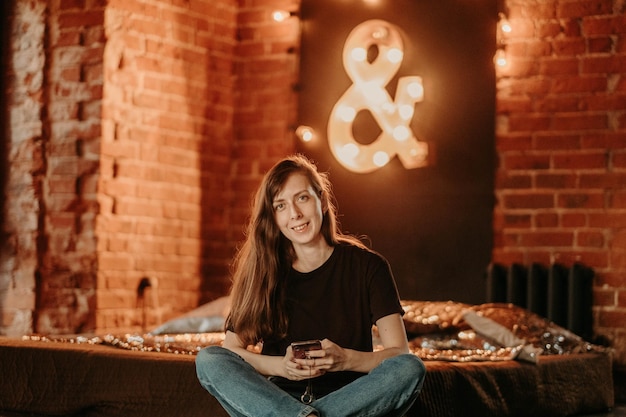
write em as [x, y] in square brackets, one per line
[416, 89]
[406, 112]
[401, 133]
[346, 113]
[359, 54]
[381, 159]
[395, 55]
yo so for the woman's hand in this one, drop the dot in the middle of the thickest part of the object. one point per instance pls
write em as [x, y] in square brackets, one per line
[331, 358]
[299, 369]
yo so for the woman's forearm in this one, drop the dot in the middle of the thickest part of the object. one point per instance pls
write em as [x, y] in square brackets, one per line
[366, 361]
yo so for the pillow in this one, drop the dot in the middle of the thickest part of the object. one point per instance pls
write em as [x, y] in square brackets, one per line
[428, 317]
[504, 337]
[191, 325]
[207, 318]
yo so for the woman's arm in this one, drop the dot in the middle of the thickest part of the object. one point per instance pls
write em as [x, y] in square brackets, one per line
[264, 364]
[393, 337]
[283, 366]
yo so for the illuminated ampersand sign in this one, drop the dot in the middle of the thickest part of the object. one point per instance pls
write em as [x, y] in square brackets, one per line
[368, 92]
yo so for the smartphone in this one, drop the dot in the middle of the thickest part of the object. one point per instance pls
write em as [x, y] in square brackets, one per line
[300, 349]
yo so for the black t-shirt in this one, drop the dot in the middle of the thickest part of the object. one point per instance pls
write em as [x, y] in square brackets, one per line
[340, 300]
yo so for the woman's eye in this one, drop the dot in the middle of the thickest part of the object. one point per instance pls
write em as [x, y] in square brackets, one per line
[304, 198]
[279, 207]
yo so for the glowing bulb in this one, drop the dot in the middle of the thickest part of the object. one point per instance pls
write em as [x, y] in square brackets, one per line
[414, 152]
[380, 33]
[401, 133]
[406, 112]
[500, 58]
[346, 113]
[415, 90]
[395, 55]
[349, 151]
[305, 133]
[505, 26]
[359, 54]
[381, 158]
[389, 108]
[280, 15]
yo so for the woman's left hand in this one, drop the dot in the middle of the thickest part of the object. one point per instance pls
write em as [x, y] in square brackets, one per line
[331, 358]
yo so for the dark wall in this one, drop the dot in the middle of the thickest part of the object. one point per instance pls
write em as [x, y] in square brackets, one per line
[434, 224]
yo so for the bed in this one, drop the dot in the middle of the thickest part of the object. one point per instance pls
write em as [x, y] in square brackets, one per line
[485, 360]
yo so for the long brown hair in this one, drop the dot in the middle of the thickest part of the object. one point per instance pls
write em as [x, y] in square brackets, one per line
[261, 265]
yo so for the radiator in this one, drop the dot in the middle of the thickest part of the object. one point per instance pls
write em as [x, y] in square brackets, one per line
[561, 294]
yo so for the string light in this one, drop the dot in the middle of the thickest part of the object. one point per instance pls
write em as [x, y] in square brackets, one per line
[305, 133]
[281, 15]
[504, 29]
[500, 58]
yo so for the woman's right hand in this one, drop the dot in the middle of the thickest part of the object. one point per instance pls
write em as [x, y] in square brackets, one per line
[300, 369]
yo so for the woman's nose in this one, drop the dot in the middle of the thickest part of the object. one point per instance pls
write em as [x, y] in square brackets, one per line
[295, 212]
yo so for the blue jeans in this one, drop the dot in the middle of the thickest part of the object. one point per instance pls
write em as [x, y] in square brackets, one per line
[388, 390]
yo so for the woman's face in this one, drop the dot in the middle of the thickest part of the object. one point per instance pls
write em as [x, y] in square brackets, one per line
[298, 211]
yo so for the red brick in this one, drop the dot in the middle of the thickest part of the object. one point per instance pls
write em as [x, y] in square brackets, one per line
[612, 319]
[551, 141]
[573, 220]
[582, 160]
[604, 25]
[602, 65]
[572, 200]
[529, 122]
[603, 180]
[555, 181]
[584, 8]
[525, 162]
[71, 4]
[574, 84]
[613, 279]
[559, 66]
[528, 201]
[604, 140]
[590, 239]
[603, 297]
[546, 220]
[569, 47]
[601, 44]
[81, 19]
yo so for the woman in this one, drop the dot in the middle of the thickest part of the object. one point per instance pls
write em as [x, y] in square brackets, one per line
[297, 277]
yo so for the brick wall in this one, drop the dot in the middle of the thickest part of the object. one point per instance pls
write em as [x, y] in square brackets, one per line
[561, 142]
[166, 154]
